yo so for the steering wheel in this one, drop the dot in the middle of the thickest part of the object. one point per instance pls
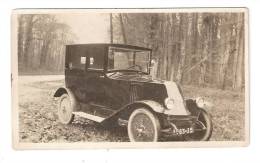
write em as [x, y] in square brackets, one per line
[140, 67]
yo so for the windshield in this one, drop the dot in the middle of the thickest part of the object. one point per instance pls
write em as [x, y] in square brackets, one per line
[128, 59]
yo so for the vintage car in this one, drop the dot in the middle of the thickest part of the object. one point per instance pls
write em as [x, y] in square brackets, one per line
[111, 84]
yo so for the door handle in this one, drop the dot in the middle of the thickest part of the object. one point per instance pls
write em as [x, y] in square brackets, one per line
[102, 76]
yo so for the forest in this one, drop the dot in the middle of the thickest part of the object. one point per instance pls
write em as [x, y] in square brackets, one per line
[41, 43]
[202, 49]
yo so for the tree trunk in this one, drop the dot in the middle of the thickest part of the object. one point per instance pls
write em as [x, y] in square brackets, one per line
[122, 29]
[205, 51]
[236, 74]
[20, 40]
[28, 37]
[43, 54]
[226, 55]
[197, 46]
[175, 45]
[111, 28]
[240, 74]
[190, 46]
[183, 31]
[153, 43]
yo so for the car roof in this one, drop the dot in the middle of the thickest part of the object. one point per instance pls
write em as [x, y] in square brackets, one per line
[101, 45]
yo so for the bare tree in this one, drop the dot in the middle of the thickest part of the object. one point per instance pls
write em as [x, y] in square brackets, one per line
[111, 28]
[28, 37]
[122, 28]
[237, 74]
[183, 27]
[206, 49]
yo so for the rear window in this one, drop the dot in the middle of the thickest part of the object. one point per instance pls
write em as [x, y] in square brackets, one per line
[76, 58]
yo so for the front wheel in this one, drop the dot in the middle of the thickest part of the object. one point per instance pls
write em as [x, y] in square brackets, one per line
[202, 128]
[143, 126]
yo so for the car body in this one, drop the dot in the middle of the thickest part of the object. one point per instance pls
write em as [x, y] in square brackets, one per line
[111, 84]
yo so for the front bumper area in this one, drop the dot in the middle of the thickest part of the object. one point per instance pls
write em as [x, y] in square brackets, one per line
[179, 125]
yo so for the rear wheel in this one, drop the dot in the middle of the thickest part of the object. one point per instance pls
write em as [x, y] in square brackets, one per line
[65, 109]
[202, 128]
[143, 126]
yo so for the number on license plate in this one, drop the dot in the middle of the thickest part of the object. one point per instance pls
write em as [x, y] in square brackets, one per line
[182, 131]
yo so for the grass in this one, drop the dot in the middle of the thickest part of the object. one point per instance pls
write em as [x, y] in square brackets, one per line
[227, 111]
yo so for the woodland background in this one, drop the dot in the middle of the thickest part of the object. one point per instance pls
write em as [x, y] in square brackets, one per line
[202, 49]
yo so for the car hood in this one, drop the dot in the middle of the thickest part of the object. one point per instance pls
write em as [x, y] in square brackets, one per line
[132, 77]
[156, 90]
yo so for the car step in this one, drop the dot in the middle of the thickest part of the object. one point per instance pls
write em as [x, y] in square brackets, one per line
[89, 116]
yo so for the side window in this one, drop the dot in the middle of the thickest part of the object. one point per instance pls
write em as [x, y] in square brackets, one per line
[142, 59]
[95, 60]
[78, 62]
[119, 59]
[83, 60]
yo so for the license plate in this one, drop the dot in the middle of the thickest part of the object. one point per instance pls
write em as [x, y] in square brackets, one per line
[182, 131]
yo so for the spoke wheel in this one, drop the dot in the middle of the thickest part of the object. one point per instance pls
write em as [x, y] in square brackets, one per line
[143, 126]
[202, 128]
[65, 110]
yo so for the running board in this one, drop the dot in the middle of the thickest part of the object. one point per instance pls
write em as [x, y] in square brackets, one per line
[89, 116]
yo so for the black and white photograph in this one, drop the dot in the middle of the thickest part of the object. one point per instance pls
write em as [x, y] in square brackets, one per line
[108, 78]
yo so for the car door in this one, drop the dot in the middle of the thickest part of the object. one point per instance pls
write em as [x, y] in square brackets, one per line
[96, 100]
[93, 76]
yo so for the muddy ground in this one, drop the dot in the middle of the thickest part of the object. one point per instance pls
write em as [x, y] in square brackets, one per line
[38, 121]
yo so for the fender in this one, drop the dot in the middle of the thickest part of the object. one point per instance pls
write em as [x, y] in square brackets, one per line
[129, 108]
[149, 104]
[192, 107]
[62, 90]
[155, 106]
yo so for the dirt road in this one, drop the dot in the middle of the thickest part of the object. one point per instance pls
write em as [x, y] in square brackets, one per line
[38, 121]
[39, 78]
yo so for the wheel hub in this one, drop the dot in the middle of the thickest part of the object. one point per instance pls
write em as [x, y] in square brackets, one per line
[141, 130]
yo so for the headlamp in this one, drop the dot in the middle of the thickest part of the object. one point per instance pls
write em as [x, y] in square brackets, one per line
[200, 101]
[169, 103]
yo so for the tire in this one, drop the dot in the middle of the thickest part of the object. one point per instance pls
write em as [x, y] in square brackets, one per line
[202, 135]
[65, 109]
[143, 126]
